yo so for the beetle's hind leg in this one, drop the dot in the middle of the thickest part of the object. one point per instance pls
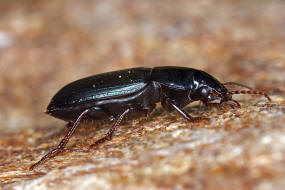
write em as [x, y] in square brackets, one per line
[168, 102]
[63, 142]
[111, 131]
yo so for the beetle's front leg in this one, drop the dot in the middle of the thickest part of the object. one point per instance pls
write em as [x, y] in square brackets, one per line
[218, 106]
[169, 103]
[222, 106]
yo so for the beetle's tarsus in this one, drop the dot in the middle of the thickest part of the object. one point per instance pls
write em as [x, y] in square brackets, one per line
[213, 105]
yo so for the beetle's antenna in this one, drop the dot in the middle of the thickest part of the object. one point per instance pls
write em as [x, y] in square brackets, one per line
[251, 92]
[237, 84]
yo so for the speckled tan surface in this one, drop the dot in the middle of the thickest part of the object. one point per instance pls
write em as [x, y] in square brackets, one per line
[46, 44]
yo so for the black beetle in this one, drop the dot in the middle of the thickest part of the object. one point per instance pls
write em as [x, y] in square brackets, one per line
[135, 91]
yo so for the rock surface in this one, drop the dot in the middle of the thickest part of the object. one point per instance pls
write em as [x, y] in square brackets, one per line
[46, 44]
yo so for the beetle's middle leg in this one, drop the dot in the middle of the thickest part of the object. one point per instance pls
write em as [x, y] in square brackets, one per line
[111, 131]
[169, 103]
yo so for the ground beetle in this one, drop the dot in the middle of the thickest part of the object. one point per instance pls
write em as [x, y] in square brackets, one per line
[135, 91]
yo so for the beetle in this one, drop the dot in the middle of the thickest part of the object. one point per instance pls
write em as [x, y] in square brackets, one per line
[135, 91]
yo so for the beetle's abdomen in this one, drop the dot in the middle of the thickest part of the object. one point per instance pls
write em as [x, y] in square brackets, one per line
[100, 87]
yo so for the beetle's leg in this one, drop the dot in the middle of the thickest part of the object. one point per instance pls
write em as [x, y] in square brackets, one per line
[217, 106]
[63, 142]
[213, 105]
[111, 131]
[183, 113]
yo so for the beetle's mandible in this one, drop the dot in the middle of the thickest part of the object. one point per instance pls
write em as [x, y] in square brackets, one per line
[136, 91]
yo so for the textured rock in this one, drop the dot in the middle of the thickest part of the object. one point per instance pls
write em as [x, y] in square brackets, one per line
[52, 43]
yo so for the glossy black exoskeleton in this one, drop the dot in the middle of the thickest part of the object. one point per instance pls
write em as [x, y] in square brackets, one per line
[135, 91]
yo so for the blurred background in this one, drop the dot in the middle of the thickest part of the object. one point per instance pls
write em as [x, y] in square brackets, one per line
[47, 44]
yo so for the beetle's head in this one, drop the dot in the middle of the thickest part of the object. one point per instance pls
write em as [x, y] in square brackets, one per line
[209, 90]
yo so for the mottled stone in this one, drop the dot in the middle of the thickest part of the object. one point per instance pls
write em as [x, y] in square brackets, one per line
[50, 43]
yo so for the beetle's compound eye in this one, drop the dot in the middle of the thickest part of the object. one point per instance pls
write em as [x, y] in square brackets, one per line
[204, 91]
